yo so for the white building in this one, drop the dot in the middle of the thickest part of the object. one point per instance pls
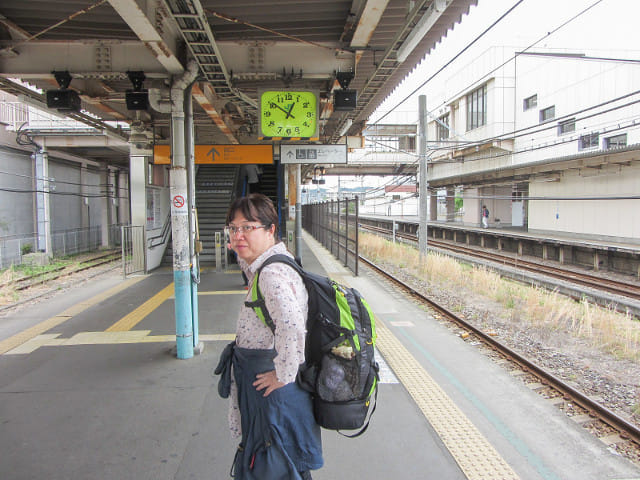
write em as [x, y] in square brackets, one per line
[550, 142]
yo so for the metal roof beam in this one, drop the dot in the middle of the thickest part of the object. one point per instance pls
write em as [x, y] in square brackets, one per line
[144, 28]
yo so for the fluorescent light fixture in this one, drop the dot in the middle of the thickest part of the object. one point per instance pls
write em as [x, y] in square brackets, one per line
[423, 26]
[347, 126]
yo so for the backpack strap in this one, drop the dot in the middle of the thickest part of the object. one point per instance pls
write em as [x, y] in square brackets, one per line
[257, 302]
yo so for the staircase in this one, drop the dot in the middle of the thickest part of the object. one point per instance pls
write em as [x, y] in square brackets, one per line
[214, 193]
[268, 184]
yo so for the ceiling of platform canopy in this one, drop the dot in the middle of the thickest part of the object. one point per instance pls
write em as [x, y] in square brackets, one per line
[238, 49]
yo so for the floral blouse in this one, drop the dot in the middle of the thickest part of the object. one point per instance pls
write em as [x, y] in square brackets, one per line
[286, 300]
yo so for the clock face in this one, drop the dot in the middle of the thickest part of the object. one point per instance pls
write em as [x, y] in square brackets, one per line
[288, 114]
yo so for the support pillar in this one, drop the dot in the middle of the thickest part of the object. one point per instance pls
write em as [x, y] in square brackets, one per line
[43, 206]
[138, 203]
[422, 194]
[105, 210]
[180, 235]
[451, 205]
[433, 206]
[84, 190]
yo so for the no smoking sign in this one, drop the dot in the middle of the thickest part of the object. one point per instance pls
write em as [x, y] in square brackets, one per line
[178, 205]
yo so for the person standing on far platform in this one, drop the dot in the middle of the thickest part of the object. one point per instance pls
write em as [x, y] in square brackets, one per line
[485, 217]
[280, 438]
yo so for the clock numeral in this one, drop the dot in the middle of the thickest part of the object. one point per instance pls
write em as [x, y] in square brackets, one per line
[288, 96]
[288, 131]
[272, 123]
[305, 105]
[309, 114]
[279, 129]
[297, 129]
[306, 124]
[267, 114]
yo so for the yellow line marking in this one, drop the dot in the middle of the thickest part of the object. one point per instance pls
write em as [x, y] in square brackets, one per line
[477, 458]
[26, 335]
[106, 338]
[224, 292]
[132, 319]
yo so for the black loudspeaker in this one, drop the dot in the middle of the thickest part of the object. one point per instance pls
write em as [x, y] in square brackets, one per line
[137, 99]
[64, 100]
[345, 100]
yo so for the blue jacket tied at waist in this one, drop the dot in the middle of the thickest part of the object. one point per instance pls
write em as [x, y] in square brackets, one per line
[279, 434]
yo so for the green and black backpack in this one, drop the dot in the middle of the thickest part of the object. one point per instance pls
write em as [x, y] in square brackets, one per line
[340, 370]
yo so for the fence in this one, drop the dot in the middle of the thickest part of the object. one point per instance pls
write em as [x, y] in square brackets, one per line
[64, 242]
[335, 225]
[134, 257]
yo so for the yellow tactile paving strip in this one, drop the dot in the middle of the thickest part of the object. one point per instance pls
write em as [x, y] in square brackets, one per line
[132, 319]
[473, 453]
[105, 338]
[26, 335]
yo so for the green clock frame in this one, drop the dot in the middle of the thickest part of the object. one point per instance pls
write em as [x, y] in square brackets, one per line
[288, 113]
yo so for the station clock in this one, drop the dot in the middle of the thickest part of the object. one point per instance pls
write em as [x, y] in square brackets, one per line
[288, 113]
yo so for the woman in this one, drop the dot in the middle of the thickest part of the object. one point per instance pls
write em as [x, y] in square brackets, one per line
[272, 414]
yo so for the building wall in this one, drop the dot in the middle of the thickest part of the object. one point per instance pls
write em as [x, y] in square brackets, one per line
[573, 86]
[618, 219]
[16, 209]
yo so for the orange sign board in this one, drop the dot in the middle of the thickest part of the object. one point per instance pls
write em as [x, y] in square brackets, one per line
[220, 154]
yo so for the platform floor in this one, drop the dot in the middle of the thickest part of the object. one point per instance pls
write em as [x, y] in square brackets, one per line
[90, 389]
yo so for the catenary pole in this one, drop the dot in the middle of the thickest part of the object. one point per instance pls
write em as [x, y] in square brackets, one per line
[422, 195]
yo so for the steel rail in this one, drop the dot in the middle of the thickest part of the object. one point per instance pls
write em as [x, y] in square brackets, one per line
[625, 289]
[624, 428]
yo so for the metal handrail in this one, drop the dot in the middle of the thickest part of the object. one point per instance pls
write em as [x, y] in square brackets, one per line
[163, 236]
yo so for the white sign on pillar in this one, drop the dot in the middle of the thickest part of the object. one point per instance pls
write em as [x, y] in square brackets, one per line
[179, 203]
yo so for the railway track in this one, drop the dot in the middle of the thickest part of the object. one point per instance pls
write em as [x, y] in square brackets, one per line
[26, 282]
[626, 430]
[584, 279]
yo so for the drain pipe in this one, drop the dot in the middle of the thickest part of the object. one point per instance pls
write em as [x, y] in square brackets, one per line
[180, 208]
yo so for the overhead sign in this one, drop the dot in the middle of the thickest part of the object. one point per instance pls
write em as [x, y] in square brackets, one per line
[313, 153]
[219, 154]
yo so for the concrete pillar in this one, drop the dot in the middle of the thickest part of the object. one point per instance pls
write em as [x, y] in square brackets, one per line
[451, 205]
[433, 206]
[84, 190]
[138, 203]
[43, 206]
[105, 210]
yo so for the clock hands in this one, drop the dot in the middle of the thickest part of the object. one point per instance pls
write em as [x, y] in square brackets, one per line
[273, 104]
[289, 112]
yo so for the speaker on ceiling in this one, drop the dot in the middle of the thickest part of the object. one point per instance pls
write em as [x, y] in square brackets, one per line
[64, 100]
[137, 99]
[345, 100]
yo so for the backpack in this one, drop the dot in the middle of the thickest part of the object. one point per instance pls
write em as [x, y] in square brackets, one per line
[340, 370]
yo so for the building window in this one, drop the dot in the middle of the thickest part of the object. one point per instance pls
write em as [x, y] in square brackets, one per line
[442, 128]
[591, 140]
[617, 141]
[477, 108]
[407, 144]
[530, 102]
[547, 113]
[567, 126]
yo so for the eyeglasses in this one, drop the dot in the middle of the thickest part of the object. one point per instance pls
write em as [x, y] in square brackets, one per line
[243, 229]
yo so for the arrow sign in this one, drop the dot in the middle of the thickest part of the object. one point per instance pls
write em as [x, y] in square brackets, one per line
[213, 152]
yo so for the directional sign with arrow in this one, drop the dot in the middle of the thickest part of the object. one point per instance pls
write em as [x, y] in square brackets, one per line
[316, 154]
[220, 154]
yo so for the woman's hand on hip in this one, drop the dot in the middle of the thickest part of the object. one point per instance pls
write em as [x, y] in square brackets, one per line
[267, 381]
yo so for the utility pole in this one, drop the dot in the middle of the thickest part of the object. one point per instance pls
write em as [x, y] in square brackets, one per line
[422, 195]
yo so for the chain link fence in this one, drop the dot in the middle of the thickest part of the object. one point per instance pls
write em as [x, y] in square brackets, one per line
[63, 243]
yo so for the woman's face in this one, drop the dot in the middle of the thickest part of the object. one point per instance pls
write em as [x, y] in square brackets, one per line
[251, 244]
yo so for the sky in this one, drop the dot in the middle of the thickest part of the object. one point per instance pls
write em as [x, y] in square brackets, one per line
[600, 28]
[542, 25]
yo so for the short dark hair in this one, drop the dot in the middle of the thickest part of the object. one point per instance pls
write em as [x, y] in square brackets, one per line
[255, 207]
